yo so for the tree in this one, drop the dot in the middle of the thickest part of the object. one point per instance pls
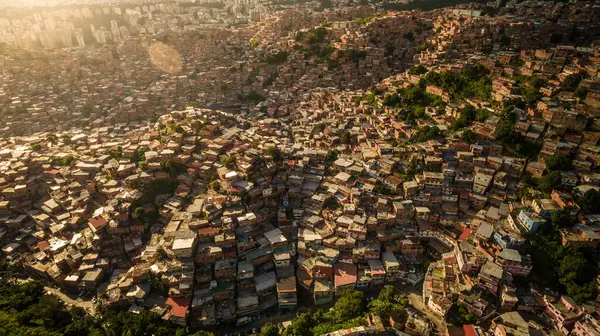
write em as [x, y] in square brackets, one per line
[228, 161]
[216, 186]
[301, 325]
[550, 181]
[139, 212]
[139, 155]
[558, 163]
[590, 201]
[426, 133]
[36, 147]
[269, 329]
[346, 138]
[581, 92]
[459, 315]
[571, 82]
[273, 152]
[253, 43]
[468, 136]
[332, 155]
[387, 302]
[330, 203]
[350, 305]
[418, 70]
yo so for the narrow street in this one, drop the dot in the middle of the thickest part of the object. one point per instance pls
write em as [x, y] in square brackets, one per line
[415, 298]
[87, 305]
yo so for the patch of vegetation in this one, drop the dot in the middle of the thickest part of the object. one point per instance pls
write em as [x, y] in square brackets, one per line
[25, 309]
[473, 81]
[426, 133]
[512, 140]
[273, 152]
[468, 136]
[590, 201]
[554, 163]
[277, 57]
[331, 203]
[458, 315]
[253, 43]
[312, 35]
[411, 103]
[356, 55]
[387, 302]
[571, 82]
[65, 161]
[252, 96]
[571, 271]
[418, 70]
[332, 155]
[469, 114]
[347, 312]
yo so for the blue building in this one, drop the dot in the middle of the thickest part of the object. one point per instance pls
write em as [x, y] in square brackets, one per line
[530, 220]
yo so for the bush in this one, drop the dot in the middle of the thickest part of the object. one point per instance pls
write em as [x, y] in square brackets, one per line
[277, 57]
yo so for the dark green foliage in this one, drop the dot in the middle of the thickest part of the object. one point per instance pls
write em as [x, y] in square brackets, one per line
[418, 70]
[458, 315]
[173, 168]
[468, 136]
[273, 152]
[36, 147]
[277, 57]
[346, 138]
[581, 92]
[139, 155]
[426, 133]
[312, 35]
[269, 329]
[590, 201]
[415, 166]
[409, 36]
[550, 181]
[253, 96]
[571, 82]
[357, 55]
[65, 161]
[156, 284]
[321, 52]
[207, 333]
[330, 203]
[115, 153]
[228, 161]
[26, 310]
[571, 271]
[472, 81]
[347, 312]
[469, 114]
[387, 302]
[513, 140]
[530, 88]
[411, 103]
[332, 155]
[382, 189]
[558, 163]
